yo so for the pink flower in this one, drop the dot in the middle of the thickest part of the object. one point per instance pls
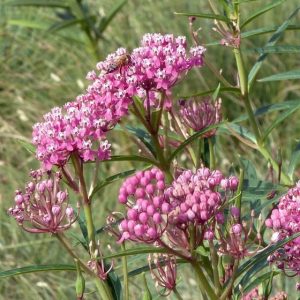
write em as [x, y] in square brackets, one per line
[44, 206]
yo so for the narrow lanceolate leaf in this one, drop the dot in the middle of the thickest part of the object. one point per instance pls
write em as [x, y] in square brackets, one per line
[279, 120]
[204, 16]
[28, 23]
[192, 138]
[291, 75]
[47, 3]
[273, 40]
[106, 20]
[28, 146]
[210, 92]
[67, 24]
[295, 158]
[277, 49]
[265, 30]
[37, 268]
[247, 287]
[135, 251]
[259, 258]
[109, 180]
[261, 11]
[285, 105]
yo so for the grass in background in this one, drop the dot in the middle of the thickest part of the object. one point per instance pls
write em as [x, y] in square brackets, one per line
[39, 70]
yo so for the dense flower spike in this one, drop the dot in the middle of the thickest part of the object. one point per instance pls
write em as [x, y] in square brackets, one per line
[194, 197]
[44, 206]
[78, 127]
[146, 206]
[199, 115]
[165, 272]
[285, 221]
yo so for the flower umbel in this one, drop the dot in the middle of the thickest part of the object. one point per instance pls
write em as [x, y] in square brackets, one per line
[44, 206]
[199, 115]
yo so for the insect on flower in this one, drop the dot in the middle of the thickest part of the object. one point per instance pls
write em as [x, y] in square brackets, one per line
[118, 62]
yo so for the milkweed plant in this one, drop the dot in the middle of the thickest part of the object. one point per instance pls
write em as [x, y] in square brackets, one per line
[174, 212]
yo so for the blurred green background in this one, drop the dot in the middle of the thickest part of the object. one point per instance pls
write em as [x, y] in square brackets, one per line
[45, 53]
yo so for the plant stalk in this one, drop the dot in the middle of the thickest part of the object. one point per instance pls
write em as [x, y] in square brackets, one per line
[125, 274]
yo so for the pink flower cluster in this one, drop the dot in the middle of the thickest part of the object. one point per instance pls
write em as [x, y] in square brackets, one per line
[153, 209]
[76, 127]
[44, 206]
[285, 221]
[199, 115]
[80, 126]
[194, 197]
[146, 206]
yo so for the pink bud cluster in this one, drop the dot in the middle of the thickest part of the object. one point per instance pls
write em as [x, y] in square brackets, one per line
[194, 197]
[44, 206]
[198, 115]
[146, 206]
[285, 221]
[79, 127]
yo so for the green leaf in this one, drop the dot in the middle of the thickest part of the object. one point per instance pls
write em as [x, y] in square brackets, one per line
[216, 92]
[256, 282]
[109, 180]
[294, 161]
[204, 16]
[192, 138]
[289, 104]
[135, 251]
[29, 24]
[133, 158]
[261, 257]
[144, 137]
[209, 92]
[291, 75]
[261, 11]
[27, 145]
[234, 129]
[147, 295]
[279, 120]
[249, 172]
[37, 268]
[115, 284]
[264, 30]
[106, 20]
[47, 3]
[277, 49]
[66, 24]
[273, 40]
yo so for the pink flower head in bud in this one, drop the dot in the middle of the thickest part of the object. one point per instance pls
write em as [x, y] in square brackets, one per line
[194, 197]
[147, 207]
[43, 207]
[285, 221]
[165, 272]
[199, 115]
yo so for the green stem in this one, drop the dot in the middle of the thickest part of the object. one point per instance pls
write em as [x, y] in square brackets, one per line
[245, 97]
[229, 287]
[212, 160]
[125, 274]
[203, 283]
[244, 92]
[176, 293]
[102, 286]
[215, 262]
